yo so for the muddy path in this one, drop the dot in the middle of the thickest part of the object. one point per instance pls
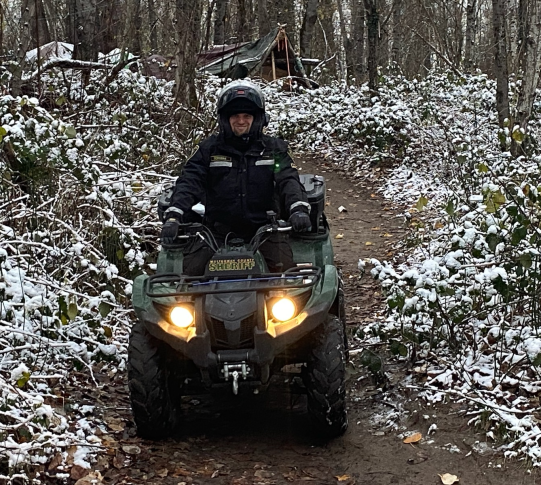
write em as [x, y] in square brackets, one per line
[268, 439]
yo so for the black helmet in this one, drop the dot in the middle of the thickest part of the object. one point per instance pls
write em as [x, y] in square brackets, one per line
[241, 90]
[242, 96]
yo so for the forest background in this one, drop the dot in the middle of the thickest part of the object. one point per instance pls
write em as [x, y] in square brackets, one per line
[442, 94]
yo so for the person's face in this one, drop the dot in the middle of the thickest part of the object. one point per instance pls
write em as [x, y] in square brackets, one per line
[241, 123]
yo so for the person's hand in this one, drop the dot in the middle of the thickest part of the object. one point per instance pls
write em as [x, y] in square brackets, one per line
[300, 221]
[170, 230]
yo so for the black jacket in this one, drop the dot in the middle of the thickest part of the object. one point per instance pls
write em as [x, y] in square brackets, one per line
[239, 188]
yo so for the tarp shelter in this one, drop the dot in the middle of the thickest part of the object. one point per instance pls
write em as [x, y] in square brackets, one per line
[52, 50]
[271, 57]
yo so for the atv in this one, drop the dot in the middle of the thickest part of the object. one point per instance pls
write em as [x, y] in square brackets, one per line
[237, 325]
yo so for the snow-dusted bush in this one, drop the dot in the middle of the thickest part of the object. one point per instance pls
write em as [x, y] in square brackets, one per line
[467, 300]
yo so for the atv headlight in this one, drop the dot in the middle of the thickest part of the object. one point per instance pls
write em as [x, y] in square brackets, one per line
[283, 309]
[181, 316]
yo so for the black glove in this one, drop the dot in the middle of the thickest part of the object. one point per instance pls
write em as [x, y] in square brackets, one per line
[170, 230]
[300, 221]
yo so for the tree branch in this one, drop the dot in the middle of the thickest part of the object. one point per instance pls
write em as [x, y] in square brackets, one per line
[439, 54]
[67, 64]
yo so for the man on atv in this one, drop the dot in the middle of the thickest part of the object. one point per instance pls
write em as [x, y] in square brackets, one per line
[240, 174]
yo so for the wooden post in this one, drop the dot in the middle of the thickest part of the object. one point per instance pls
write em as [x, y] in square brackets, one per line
[273, 66]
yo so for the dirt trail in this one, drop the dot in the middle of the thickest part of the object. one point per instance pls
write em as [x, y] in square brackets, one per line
[267, 439]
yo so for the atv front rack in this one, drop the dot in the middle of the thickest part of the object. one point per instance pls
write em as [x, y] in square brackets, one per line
[197, 285]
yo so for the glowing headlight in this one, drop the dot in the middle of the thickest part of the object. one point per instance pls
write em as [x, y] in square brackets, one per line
[283, 309]
[181, 316]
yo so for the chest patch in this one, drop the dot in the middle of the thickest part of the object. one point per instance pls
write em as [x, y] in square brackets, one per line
[220, 161]
[264, 162]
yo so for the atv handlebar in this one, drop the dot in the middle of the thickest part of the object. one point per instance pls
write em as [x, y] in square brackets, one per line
[193, 230]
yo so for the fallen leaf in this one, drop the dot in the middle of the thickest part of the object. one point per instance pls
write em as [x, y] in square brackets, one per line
[448, 479]
[263, 474]
[342, 209]
[77, 472]
[163, 473]
[118, 460]
[339, 236]
[92, 478]
[57, 460]
[131, 449]
[387, 235]
[181, 472]
[342, 478]
[414, 438]
[115, 427]
[368, 243]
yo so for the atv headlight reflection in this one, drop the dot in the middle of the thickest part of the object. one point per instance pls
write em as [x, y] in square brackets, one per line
[283, 309]
[181, 316]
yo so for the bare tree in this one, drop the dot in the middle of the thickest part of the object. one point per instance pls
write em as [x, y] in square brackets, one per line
[500, 61]
[307, 29]
[471, 30]
[346, 40]
[264, 25]
[372, 19]
[133, 27]
[531, 64]
[38, 28]
[242, 23]
[359, 17]
[188, 34]
[397, 33]
[84, 27]
[220, 21]
[25, 39]
[153, 25]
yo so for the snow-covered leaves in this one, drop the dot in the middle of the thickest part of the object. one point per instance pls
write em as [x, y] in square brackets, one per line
[467, 298]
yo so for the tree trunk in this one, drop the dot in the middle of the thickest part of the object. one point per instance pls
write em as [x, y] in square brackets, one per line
[284, 14]
[323, 41]
[531, 63]
[522, 28]
[346, 41]
[136, 26]
[307, 29]
[109, 26]
[397, 45]
[500, 61]
[24, 46]
[71, 29]
[471, 31]
[153, 27]
[188, 34]
[372, 20]
[263, 20]
[242, 23]
[85, 17]
[359, 17]
[37, 28]
[220, 21]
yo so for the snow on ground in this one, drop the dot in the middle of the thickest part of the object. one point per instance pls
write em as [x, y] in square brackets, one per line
[80, 223]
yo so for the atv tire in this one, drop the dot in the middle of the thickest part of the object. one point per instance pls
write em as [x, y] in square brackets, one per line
[324, 379]
[154, 391]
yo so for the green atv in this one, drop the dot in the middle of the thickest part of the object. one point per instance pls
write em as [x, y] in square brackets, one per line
[237, 325]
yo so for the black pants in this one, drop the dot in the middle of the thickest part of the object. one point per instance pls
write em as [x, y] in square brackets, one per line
[276, 250]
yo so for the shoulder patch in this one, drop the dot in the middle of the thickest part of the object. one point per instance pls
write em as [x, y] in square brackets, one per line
[220, 158]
